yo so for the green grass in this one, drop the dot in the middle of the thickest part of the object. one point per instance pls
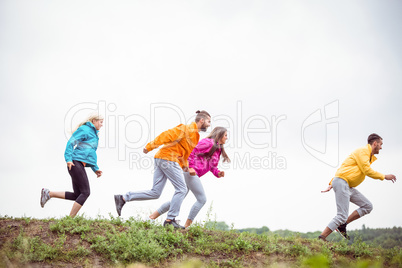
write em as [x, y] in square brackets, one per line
[80, 241]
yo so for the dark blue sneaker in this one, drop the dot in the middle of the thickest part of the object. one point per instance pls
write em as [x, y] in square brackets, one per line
[119, 201]
[342, 231]
[174, 223]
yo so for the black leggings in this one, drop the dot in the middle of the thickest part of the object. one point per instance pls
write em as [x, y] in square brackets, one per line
[80, 183]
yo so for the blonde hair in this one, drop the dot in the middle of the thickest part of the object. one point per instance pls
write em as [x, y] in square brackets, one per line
[95, 115]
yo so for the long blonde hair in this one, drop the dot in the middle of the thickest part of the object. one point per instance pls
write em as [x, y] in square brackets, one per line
[95, 115]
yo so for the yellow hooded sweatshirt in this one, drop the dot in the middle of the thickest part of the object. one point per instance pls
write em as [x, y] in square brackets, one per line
[179, 143]
[357, 166]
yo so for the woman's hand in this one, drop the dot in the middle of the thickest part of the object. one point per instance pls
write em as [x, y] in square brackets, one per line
[328, 189]
[192, 172]
[98, 173]
[69, 165]
[221, 174]
[145, 151]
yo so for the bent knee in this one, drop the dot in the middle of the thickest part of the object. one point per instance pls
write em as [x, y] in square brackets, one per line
[155, 194]
[370, 207]
[367, 208]
[202, 200]
[82, 198]
[182, 191]
[86, 194]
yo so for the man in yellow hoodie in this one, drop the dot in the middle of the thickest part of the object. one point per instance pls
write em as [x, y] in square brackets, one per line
[351, 173]
[170, 162]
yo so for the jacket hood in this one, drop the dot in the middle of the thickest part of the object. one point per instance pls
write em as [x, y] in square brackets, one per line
[89, 124]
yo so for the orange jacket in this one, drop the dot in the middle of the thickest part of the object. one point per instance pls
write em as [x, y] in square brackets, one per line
[178, 143]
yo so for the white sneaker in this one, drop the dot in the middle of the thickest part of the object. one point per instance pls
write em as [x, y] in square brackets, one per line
[44, 197]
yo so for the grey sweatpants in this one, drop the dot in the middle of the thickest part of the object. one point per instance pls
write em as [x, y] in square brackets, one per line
[343, 195]
[195, 186]
[164, 170]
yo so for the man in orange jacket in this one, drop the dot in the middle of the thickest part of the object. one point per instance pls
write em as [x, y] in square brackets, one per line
[170, 162]
[351, 173]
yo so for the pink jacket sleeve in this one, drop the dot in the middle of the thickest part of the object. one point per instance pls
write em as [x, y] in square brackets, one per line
[215, 171]
[214, 164]
[202, 147]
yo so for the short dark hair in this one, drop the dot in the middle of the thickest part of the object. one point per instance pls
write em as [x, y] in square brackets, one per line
[201, 115]
[372, 138]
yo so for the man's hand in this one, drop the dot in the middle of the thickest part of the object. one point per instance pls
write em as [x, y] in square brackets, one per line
[185, 169]
[221, 174]
[328, 189]
[390, 177]
[192, 172]
[69, 165]
[98, 173]
[145, 151]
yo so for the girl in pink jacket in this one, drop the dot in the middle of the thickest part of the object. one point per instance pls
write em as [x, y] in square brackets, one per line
[205, 157]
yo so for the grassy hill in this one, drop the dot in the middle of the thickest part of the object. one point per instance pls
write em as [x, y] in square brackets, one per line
[82, 242]
[384, 237]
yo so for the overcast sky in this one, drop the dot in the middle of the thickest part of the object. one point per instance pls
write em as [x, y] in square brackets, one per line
[298, 84]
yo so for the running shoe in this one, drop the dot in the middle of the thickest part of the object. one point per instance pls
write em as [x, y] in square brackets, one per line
[44, 196]
[174, 223]
[342, 231]
[119, 201]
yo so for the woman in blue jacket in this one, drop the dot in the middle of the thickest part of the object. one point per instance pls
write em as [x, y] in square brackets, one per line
[80, 153]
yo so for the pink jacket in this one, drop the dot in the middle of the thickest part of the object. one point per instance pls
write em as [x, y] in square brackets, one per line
[200, 164]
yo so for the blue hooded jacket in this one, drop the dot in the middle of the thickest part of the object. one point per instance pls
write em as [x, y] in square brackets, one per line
[85, 138]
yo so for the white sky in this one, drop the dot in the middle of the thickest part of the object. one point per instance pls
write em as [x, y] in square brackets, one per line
[152, 64]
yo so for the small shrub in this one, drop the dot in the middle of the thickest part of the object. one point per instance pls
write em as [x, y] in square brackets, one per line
[76, 225]
[195, 231]
[242, 245]
[80, 251]
[297, 250]
[361, 249]
[343, 248]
